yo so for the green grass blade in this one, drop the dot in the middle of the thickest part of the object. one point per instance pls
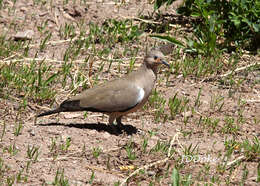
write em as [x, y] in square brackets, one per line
[169, 39]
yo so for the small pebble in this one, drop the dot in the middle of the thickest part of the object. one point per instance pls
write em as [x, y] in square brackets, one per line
[151, 173]
[24, 35]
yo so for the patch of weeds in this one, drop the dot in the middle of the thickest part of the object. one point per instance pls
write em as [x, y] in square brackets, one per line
[234, 23]
[20, 178]
[113, 31]
[60, 178]
[177, 179]
[39, 2]
[203, 174]
[3, 168]
[28, 165]
[42, 27]
[256, 121]
[216, 102]
[8, 47]
[230, 81]
[209, 123]
[44, 41]
[177, 105]
[244, 175]
[131, 65]
[117, 183]
[60, 147]
[1, 4]
[11, 149]
[18, 128]
[231, 146]
[201, 67]
[64, 147]
[30, 81]
[199, 62]
[144, 144]
[197, 100]
[96, 151]
[177, 64]
[33, 153]
[66, 69]
[161, 147]
[53, 146]
[186, 133]
[190, 150]
[78, 81]
[241, 109]
[92, 177]
[251, 150]
[215, 179]
[158, 103]
[10, 180]
[67, 31]
[74, 50]
[152, 132]
[121, 31]
[130, 150]
[230, 126]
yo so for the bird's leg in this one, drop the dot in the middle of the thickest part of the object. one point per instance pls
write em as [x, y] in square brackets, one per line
[119, 123]
[112, 118]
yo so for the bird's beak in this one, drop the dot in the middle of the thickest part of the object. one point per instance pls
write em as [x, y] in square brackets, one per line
[165, 63]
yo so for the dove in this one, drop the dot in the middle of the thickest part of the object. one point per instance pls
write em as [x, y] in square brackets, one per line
[118, 97]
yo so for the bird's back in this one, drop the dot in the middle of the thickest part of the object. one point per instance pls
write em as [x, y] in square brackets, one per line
[117, 95]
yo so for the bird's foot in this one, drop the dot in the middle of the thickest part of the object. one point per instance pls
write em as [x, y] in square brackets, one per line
[120, 125]
[117, 128]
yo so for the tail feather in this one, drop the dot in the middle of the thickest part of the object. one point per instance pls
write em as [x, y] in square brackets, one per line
[65, 106]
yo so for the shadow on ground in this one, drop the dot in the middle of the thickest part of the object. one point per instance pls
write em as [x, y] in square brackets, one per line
[128, 129]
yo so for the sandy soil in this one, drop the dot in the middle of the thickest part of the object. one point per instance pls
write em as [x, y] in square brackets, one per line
[85, 134]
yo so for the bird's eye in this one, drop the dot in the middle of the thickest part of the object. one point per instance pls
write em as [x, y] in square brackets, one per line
[155, 57]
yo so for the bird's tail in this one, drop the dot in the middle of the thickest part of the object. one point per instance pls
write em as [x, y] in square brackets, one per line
[65, 106]
[50, 112]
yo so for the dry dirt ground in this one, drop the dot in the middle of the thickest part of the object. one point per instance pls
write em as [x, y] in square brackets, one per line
[84, 150]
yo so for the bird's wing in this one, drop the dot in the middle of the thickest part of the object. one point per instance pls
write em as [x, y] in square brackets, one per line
[116, 96]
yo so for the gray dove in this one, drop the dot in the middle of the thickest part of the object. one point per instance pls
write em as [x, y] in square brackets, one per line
[119, 97]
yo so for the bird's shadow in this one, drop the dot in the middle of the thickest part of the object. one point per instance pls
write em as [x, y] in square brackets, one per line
[128, 129]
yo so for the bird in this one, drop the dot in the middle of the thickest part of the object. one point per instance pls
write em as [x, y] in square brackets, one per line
[118, 97]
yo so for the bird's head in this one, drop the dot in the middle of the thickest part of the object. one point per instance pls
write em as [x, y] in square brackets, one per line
[155, 58]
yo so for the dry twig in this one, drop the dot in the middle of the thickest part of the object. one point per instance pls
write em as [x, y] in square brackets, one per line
[240, 69]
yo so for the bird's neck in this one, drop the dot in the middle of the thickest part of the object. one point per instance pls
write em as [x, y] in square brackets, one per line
[147, 66]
